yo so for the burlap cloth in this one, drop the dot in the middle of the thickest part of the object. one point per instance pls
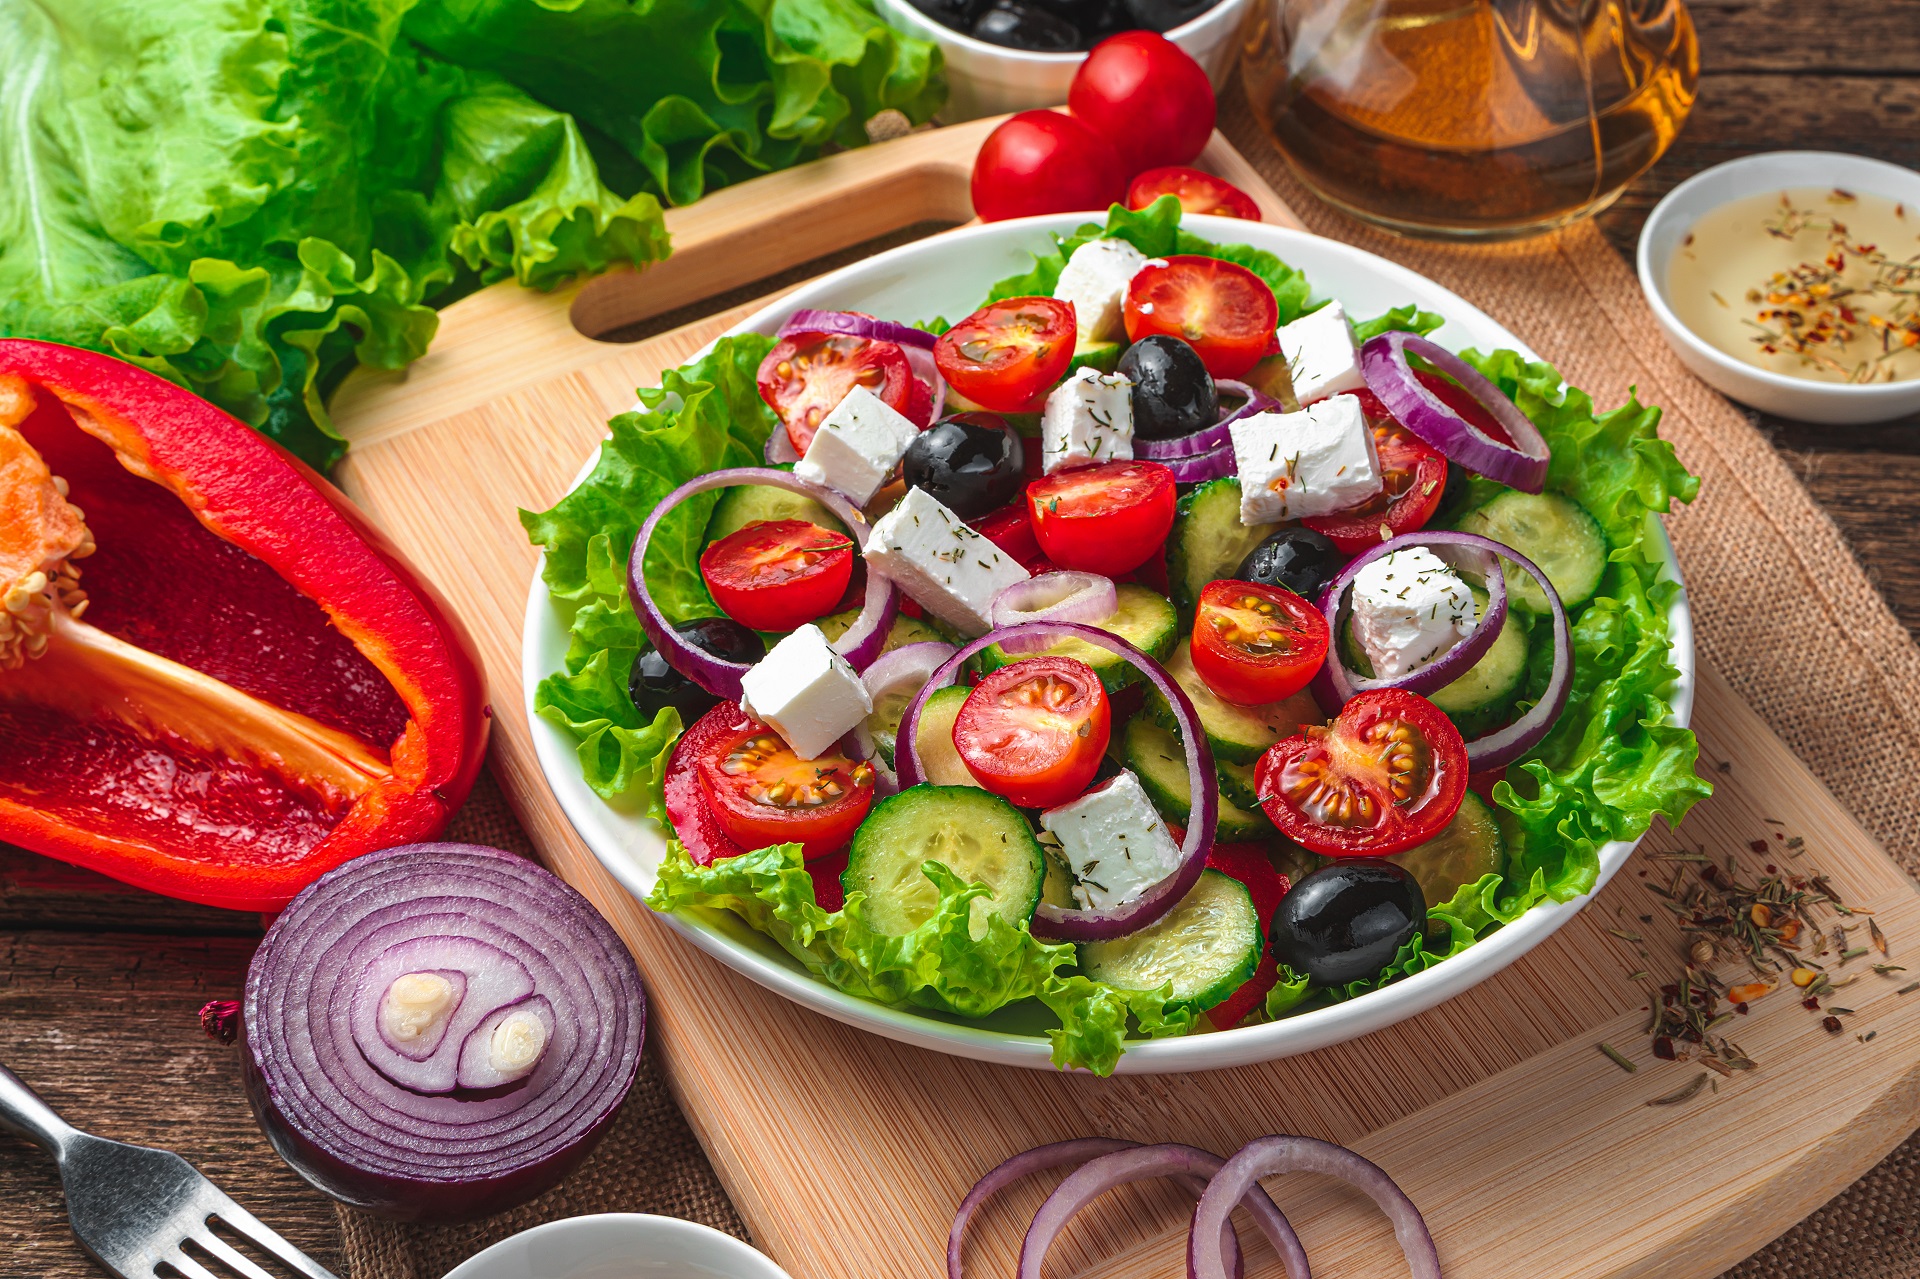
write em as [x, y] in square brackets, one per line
[1780, 606]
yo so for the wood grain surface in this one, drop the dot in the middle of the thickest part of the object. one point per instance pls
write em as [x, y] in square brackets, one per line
[100, 983]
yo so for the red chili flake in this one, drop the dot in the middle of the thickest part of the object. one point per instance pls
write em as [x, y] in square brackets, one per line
[1811, 1004]
[1643, 874]
[1772, 869]
[1758, 845]
[1671, 990]
[1832, 1025]
[1663, 1047]
[1710, 873]
[1741, 1009]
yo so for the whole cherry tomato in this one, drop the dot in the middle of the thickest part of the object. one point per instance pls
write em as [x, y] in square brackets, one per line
[1141, 92]
[1045, 162]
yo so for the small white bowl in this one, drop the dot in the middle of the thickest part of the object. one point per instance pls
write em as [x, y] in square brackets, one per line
[1828, 403]
[990, 79]
[619, 1245]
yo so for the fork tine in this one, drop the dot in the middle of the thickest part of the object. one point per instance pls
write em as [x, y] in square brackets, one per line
[245, 1223]
[187, 1265]
[227, 1255]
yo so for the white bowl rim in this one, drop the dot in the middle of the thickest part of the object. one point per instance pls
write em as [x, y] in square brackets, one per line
[640, 1225]
[1654, 286]
[1303, 1032]
[1192, 26]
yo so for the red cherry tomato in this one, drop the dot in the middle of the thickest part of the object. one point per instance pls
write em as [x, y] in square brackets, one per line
[1223, 311]
[1414, 478]
[775, 575]
[1107, 519]
[805, 377]
[686, 803]
[1197, 192]
[1034, 732]
[1387, 774]
[1141, 91]
[762, 793]
[1254, 644]
[1045, 162]
[1007, 355]
[1011, 529]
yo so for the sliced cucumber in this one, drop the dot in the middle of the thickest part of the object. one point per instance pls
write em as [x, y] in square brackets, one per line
[1236, 783]
[1554, 532]
[1238, 734]
[1155, 756]
[939, 758]
[1273, 376]
[905, 630]
[1493, 679]
[746, 504]
[976, 835]
[1206, 947]
[1208, 540]
[1104, 356]
[1143, 619]
[1469, 848]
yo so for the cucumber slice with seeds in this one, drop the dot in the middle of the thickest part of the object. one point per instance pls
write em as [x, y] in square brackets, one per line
[745, 504]
[905, 630]
[939, 758]
[976, 835]
[1206, 947]
[1238, 734]
[1493, 679]
[1155, 755]
[1470, 848]
[1143, 619]
[1236, 783]
[1208, 540]
[1554, 532]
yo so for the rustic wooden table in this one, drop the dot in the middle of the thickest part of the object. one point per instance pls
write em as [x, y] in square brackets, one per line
[100, 984]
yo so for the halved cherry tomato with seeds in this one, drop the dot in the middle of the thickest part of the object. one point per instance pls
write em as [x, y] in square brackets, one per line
[1414, 478]
[805, 377]
[1107, 519]
[1034, 732]
[1387, 774]
[1254, 644]
[1007, 355]
[1197, 192]
[774, 575]
[1222, 310]
[762, 793]
[1011, 529]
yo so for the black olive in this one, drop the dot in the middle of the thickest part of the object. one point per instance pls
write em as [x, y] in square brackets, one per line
[1173, 394]
[1346, 921]
[971, 462]
[1022, 26]
[1298, 559]
[655, 685]
[1165, 15]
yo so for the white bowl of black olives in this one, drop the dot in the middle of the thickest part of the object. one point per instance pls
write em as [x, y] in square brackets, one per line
[1013, 55]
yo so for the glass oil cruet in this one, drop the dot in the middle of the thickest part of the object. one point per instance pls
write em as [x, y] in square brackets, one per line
[1471, 119]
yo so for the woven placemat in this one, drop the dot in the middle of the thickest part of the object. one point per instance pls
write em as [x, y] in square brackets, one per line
[1771, 581]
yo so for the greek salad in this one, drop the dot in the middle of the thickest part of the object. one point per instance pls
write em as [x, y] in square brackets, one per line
[1158, 642]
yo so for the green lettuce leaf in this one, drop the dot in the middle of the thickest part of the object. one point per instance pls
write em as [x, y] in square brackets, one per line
[1410, 319]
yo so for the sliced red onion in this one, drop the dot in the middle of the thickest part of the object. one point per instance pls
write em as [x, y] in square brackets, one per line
[1504, 745]
[1060, 596]
[1190, 1165]
[1208, 438]
[860, 326]
[1215, 464]
[1060, 923]
[1267, 1156]
[861, 643]
[1521, 465]
[354, 1131]
[1337, 683]
[401, 1028]
[1055, 1155]
[780, 450]
[910, 664]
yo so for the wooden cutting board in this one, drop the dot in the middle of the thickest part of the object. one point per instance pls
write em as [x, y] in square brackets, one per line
[1530, 1152]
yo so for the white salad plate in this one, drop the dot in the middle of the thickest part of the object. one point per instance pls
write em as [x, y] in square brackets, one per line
[618, 1245]
[949, 274]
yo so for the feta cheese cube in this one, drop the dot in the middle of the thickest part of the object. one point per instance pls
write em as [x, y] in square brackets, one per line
[947, 568]
[1321, 354]
[857, 446]
[1095, 281]
[805, 692]
[1115, 843]
[1314, 462]
[1409, 608]
[1088, 418]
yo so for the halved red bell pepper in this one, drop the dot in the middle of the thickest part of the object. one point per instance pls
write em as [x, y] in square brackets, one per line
[217, 680]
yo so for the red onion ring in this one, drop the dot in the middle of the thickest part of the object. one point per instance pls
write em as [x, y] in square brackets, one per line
[854, 325]
[1188, 1164]
[1504, 745]
[1026, 1163]
[1059, 923]
[1060, 596]
[1522, 465]
[910, 663]
[1208, 438]
[1214, 464]
[1337, 683]
[1266, 1156]
[780, 450]
[861, 643]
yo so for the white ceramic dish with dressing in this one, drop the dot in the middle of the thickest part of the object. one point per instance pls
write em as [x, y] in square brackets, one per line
[949, 274]
[619, 1245]
[1674, 218]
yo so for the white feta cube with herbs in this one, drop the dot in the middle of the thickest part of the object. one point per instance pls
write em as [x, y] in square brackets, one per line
[857, 446]
[1409, 608]
[1115, 843]
[1088, 419]
[1095, 280]
[1321, 354]
[805, 692]
[945, 567]
[1314, 462]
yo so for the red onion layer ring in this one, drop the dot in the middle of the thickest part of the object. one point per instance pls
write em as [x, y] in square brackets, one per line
[1216, 463]
[1054, 1155]
[1208, 438]
[1060, 923]
[861, 643]
[859, 326]
[1060, 596]
[1522, 465]
[1504, 745]
[909, 664]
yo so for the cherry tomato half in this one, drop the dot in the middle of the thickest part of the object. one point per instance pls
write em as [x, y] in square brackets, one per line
[775, 575]
[1197, 192]
[1414, 478]
[1034, 732]
[1143, 93]
[1254, 644]
[762, 793]
[1222, 310]
[1387, 774]
[1007, 355]
[1011, 529]
[805, 377]
[1045, 162]
[1107, 519]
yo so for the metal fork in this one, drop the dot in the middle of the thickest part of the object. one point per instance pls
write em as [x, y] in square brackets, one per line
[133, 1207]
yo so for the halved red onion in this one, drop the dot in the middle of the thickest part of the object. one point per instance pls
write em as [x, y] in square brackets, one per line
[420, 998]
[860, 644]
[1267, 1156]
[1522, 465]
[1060, 923]
[1208, 438]
[1216, 463]
[1063, 595]
[538, 1074]
[1192, 1167]
[859, 326]
[1336, 682]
